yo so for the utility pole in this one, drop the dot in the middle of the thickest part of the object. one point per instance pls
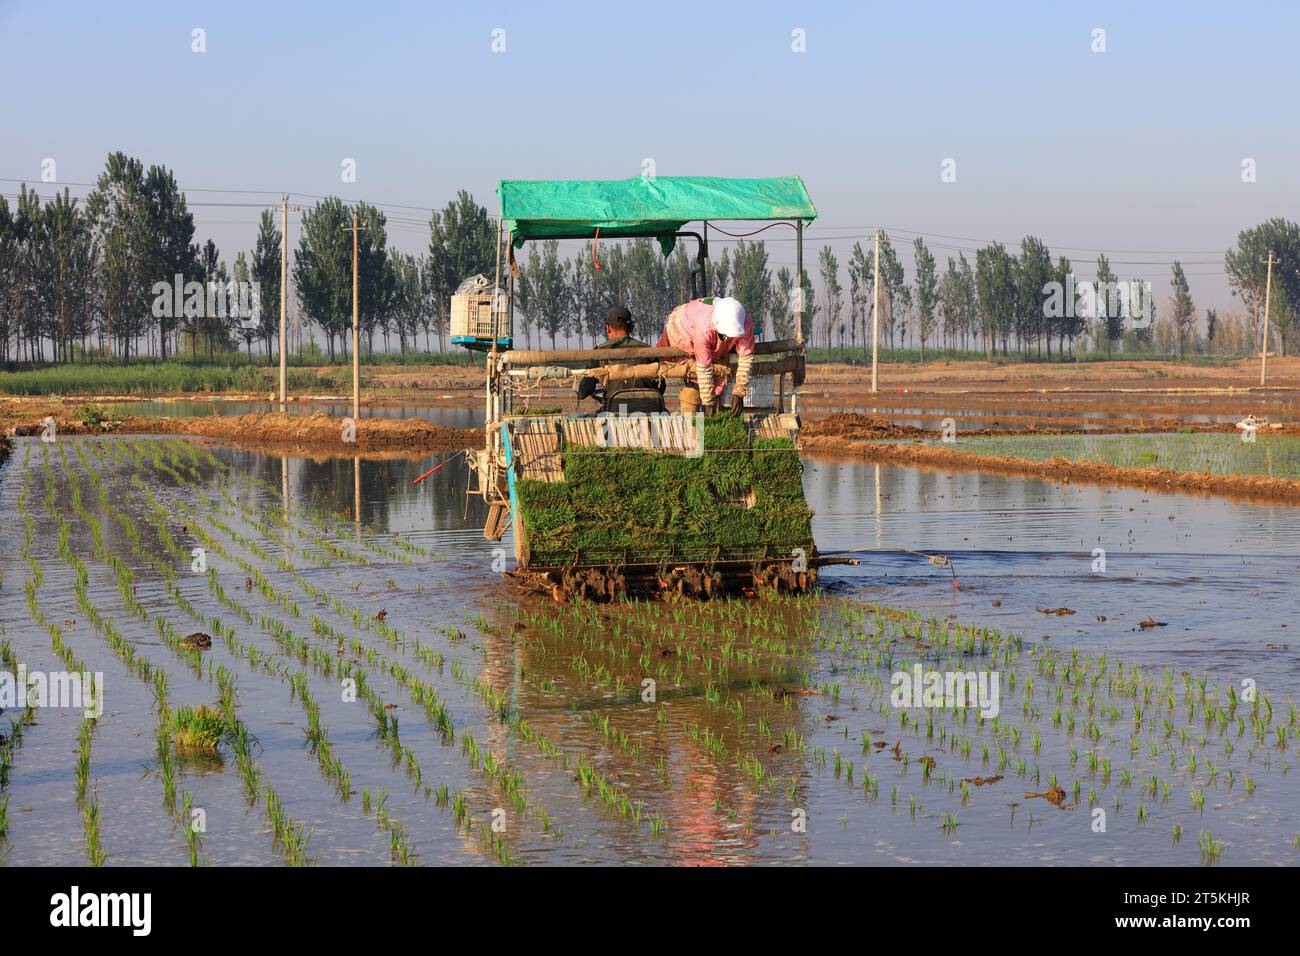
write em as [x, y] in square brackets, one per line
[1268, 290]
[284, 287]
[356, 329]
[875, 318]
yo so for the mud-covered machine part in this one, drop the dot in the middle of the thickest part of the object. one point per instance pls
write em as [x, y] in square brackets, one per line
[702, 581]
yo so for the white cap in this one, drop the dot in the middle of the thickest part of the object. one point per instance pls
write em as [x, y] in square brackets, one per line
[729, 317]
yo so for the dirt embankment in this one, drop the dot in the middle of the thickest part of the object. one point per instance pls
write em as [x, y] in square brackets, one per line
[861, 436]
[1135, 376]
[318, 432]
[844, 431]
[1062, 469]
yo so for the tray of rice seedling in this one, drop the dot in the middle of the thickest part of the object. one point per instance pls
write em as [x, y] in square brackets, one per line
[693, 505]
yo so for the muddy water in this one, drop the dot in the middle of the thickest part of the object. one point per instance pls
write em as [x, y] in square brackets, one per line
[1220, 576]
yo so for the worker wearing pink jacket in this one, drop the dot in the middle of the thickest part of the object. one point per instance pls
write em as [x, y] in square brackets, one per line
[711, 329]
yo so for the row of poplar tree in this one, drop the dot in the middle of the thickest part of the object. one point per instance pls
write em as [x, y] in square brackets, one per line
[80, 278]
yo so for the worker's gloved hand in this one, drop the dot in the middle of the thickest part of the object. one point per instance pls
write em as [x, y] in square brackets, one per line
[737, 405]
[586, 387]
[708, 408]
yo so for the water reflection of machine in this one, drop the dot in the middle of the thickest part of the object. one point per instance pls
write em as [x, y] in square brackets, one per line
[523, 447]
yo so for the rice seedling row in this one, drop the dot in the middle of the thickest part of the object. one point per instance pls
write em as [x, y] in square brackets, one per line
[332, 664]
[625, 694]
[87, 798]
[955, 645]
[329, 762]
[591, 780]
[188, 728]
[759, 710]
[290, 836]
[13, 740]
[315, 517]
[952, 783]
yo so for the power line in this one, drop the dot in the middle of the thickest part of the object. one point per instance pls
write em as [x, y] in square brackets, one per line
[816, 232]
[61, 186]
[861, 233]
[985, 242]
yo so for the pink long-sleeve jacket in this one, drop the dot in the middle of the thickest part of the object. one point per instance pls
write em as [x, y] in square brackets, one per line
[690, 328]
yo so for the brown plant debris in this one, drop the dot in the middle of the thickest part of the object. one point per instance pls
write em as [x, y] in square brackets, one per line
[1055, 796]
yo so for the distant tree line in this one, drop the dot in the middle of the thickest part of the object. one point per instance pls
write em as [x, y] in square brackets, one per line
[82, 279]
[1023, 301]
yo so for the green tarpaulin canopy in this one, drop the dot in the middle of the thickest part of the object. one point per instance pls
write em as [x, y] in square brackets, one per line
[643, 206]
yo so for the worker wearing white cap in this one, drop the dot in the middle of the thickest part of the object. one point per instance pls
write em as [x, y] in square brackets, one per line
[711, 329]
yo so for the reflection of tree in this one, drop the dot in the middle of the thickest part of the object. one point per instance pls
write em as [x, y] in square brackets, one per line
[391, 504]
[389, 500]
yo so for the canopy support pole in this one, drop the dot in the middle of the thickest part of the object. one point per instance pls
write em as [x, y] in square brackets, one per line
[798, 282]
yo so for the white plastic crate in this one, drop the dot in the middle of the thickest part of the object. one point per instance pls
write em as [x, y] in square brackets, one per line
[473, 316]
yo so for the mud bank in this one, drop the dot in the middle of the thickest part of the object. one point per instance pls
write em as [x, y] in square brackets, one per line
[318, 432]
[1254, 487]
[843, 431]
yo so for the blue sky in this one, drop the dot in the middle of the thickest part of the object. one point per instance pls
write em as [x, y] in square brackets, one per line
[1137, 148]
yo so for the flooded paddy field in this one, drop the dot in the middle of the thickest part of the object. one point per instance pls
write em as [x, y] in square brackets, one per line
[1270, 456]
[438, 414]
[1089, 410]
[373, 693]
